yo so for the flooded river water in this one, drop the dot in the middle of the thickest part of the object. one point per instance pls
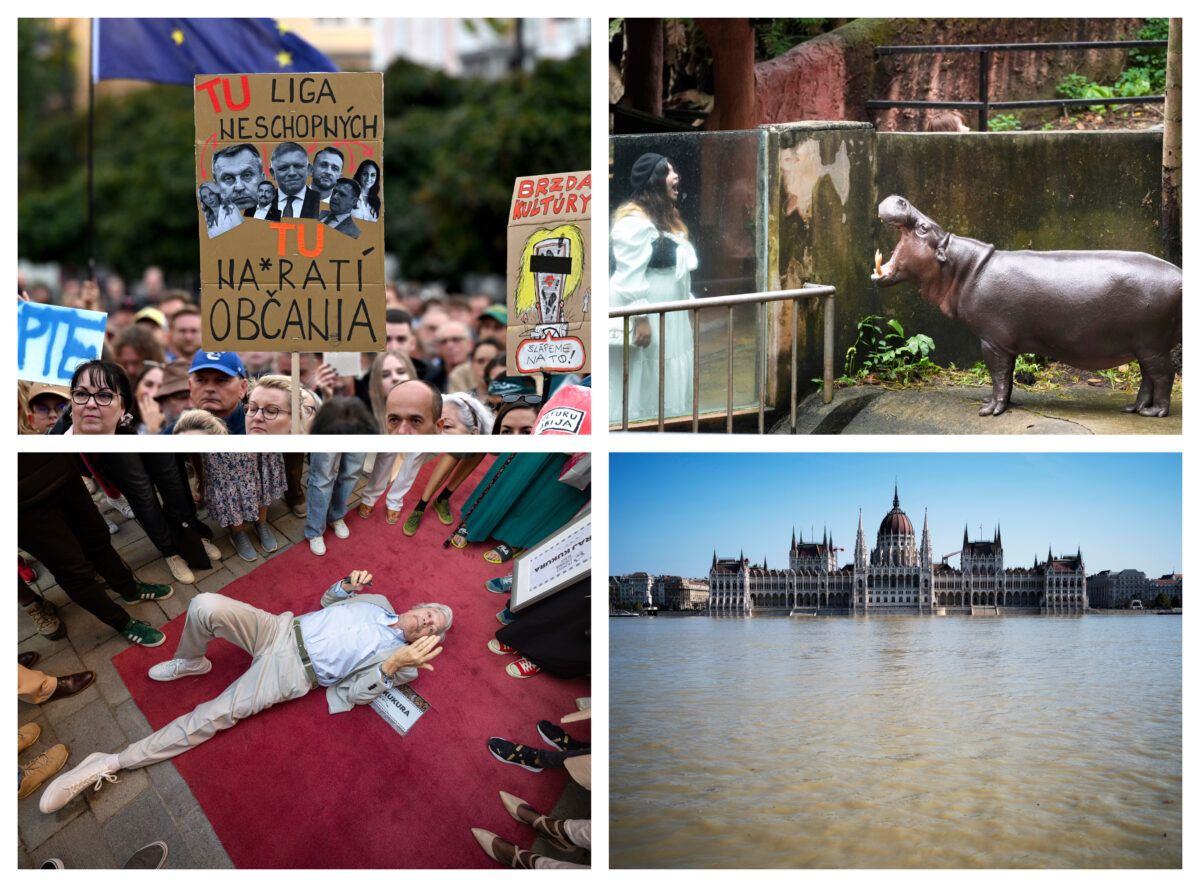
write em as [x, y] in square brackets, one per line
[896, 742]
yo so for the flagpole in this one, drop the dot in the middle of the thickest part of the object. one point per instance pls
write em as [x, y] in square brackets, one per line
[91, 221]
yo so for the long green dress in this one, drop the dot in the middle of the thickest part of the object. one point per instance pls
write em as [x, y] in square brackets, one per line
[526, 502]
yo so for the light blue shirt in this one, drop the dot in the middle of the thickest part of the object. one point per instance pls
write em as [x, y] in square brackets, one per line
[339, 639]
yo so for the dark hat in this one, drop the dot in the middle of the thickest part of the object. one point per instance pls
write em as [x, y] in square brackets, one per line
[175, 379]
[643, 167]
[511, 385]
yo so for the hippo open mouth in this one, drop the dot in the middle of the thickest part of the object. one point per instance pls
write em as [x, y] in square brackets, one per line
[916, 231]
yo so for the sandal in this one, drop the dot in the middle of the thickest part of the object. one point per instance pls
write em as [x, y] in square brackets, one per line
[502, 554]
[364, 511]
[392, 517]
[459, 539]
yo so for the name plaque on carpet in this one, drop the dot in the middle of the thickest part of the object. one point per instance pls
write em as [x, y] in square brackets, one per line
[401, 707]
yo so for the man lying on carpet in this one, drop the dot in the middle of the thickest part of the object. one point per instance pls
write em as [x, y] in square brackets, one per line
[356, 646]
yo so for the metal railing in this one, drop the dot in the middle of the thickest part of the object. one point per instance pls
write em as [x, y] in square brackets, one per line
[808, 291]
[985, 50]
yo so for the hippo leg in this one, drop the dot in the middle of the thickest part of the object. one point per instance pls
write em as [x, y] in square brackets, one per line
[1159, 370]
[1000, 367]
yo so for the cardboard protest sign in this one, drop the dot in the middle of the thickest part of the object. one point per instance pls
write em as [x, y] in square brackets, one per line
[52, 341]
[289, 194]
[550, 274]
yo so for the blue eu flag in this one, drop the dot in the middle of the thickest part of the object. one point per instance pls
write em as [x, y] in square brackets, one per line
[175, 50]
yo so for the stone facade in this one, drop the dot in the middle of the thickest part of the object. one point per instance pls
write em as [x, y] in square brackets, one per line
[898, 576]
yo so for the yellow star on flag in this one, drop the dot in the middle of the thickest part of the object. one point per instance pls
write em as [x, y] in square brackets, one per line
[177, 36]
[284, 58]
[281, 27]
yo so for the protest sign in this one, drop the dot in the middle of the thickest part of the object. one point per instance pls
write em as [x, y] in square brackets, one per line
[560, 559]
[401, 706]
[290, 211]
[52, 341]
[550, 274]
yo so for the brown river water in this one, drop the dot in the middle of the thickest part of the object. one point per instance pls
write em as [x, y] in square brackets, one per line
[896, 741]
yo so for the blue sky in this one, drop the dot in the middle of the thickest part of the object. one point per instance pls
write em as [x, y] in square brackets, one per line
[669, 511]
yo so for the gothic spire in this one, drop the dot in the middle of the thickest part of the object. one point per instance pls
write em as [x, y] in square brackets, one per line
[896, 495]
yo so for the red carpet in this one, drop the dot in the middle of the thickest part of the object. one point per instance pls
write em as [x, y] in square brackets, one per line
[297, 787]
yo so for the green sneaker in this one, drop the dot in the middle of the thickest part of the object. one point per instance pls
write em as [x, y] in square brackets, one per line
[142, 634]
[442, 507]
[148, 591]
[414, 521]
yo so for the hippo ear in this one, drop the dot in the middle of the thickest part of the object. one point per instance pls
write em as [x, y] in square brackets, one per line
[940, 250]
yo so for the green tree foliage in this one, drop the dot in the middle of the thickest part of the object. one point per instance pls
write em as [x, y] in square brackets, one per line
[1162, 602]
[452, 148]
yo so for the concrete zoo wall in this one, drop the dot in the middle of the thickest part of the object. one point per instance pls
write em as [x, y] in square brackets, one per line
[1055, 190]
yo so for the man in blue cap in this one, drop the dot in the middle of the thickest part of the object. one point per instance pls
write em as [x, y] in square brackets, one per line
[217, 383]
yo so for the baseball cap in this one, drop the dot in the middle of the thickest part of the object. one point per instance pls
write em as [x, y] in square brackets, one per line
[497, 313]
[227, 362]
[151, 313]
[37, 389]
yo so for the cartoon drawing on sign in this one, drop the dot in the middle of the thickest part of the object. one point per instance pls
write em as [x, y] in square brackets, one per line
[218, 217]
[367, 176]
[342, 200]
[549, 276]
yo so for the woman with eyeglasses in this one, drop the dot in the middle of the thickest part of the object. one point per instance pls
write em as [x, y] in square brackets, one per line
[269, 410]
[153, 484]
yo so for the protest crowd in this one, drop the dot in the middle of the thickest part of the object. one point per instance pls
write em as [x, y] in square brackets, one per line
[152, 369]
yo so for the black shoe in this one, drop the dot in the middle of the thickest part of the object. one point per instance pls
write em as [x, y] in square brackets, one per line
[152, 856]
[510, 753]
[557, 737]
[27, 658]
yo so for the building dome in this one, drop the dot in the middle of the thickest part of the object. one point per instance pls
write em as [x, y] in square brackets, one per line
[896, 522]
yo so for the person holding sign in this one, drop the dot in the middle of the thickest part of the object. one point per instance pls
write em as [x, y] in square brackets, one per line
[356, 646]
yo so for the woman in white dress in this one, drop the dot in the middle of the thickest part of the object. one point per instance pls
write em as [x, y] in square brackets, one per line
[218, 217]
[653, 261]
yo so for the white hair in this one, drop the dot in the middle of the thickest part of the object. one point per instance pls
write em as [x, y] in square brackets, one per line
[471, 412]
[446, 612]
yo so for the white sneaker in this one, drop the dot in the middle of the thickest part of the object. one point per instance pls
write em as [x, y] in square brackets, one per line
[174, 669]
[214, 553]
[340, 529]
[121, 506]
[317, 546]
[93, 770]
[113, 529]
[180, 570]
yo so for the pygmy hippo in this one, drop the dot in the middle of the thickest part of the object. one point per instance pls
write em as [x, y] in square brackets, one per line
[1093, 309]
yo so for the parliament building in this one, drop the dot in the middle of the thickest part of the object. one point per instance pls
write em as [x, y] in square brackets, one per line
[898, 576]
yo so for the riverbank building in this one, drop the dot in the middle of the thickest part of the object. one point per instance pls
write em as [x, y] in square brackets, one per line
[898, 575]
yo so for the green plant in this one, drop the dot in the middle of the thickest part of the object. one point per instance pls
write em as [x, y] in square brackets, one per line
[885, 352]
[1004, 123]
[1076, 86]
[1152, 61]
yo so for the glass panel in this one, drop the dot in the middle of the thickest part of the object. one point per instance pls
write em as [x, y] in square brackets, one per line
[716, 252]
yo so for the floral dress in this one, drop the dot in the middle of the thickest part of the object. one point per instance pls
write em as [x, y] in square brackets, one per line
[240, 484]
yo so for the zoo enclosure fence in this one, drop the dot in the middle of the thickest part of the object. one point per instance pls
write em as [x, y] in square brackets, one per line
[824, 294]
[985, 50]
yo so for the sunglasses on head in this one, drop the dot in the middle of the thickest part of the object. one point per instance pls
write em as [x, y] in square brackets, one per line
[527, 398]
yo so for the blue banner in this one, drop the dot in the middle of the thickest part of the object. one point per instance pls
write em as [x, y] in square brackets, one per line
[175, 50]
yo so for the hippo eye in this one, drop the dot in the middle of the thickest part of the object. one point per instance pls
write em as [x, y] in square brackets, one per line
[922, 227]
